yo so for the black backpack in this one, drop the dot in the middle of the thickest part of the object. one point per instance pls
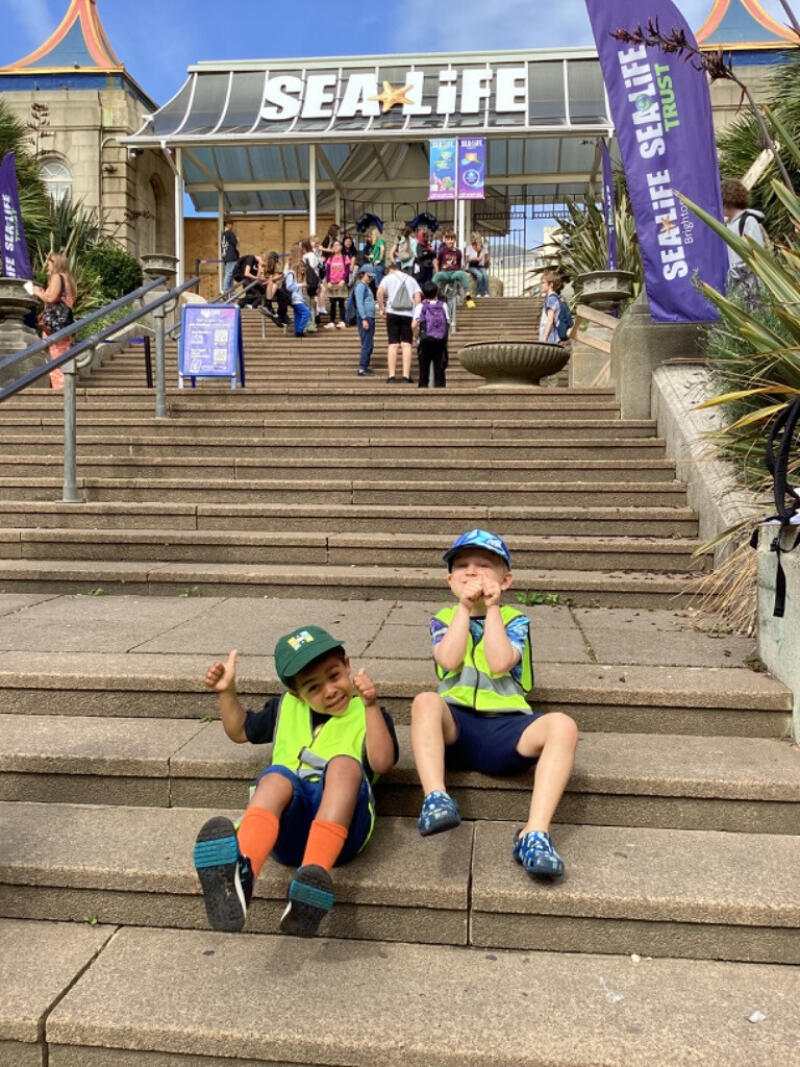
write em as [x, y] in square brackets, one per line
[565, 320]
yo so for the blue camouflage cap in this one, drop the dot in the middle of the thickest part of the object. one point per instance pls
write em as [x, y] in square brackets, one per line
[478, 539]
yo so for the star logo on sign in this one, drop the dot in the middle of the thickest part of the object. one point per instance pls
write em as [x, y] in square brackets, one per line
[391, 97]
[667, 225]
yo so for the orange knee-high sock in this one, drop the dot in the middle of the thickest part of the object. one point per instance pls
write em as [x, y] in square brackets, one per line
[325, 842]
[258, 832]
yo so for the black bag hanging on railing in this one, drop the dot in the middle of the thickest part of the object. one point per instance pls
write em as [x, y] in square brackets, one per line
[777, 460]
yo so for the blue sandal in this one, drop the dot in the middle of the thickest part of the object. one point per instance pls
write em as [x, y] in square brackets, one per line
[439, 812]
[535, 852]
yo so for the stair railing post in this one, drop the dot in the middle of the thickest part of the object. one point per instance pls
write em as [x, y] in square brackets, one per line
[70, 495]
[161, 363]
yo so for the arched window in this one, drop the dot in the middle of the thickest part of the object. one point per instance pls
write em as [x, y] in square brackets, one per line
[57, 178]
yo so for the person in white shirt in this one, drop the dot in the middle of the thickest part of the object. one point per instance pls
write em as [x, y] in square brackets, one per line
[398, 293]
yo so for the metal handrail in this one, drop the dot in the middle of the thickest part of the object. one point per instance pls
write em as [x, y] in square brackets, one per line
[53, 338]
[68, 365]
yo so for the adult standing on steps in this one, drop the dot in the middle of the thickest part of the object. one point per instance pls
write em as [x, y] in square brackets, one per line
[58, 297]
[365, 317]
[397, 295]
[229, 253]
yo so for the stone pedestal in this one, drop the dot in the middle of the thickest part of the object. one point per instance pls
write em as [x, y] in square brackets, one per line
[157, 265]
[639, 345]
[15, 336]
[779, 638]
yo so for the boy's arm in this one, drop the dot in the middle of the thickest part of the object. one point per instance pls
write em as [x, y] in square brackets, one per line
[221, 677]
[501, 654]
[450, 651]
[378, 741]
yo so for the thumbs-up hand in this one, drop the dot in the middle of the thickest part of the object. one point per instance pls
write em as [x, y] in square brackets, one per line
[221, 677]
[366, 687]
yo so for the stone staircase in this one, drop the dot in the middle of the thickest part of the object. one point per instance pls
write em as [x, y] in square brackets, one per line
[316, 495]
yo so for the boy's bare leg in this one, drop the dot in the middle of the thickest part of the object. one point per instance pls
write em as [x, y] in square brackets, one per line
[342, 782]
[391, 359]
[432, 727]
[273, 792]
[406, 348]
[553, 738]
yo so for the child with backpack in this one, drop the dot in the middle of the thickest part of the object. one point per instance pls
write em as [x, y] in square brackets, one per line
[550, 286]
[431, 323]
[337, 275]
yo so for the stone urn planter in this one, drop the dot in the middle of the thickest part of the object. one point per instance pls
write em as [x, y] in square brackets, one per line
[520, 364]
[158, 264]
[605, 290]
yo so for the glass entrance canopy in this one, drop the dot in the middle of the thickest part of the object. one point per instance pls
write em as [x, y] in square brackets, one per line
[248, 131]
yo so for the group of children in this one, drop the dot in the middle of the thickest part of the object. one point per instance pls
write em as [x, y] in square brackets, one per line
[312, 808]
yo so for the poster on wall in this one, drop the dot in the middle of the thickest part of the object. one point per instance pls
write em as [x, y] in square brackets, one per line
[443, 168]
[471, 168]
[211, 344]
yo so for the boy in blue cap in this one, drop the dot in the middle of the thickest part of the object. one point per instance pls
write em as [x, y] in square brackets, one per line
[312, 808]
[479, 718]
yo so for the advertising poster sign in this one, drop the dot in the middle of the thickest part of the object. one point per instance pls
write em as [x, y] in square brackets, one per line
[443, 169]
[211, 343]
[15, 262]
[661, 109]
[471, 168]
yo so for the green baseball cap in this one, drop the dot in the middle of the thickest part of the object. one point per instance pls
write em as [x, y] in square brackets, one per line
[302, 646]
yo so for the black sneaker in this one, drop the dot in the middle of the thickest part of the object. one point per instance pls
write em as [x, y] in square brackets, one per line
[310, 898]
[391, 379]
[408, 381]
[364, 373]
[224, 873]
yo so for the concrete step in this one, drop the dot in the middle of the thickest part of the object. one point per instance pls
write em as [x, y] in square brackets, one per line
[115, 461]
[253, 400]
[353, 582]
[81, 996]
[627, 890]
[743, 785]
[423, 550]
[208, 389]
[346, 491]
[164, 680]
[347, 425]
[589, 520]
[343, 449]
[413, 1000]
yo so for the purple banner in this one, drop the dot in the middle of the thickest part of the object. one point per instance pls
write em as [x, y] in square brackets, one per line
[609, 206]
[661, 109]
[471, 168]
[15, 261]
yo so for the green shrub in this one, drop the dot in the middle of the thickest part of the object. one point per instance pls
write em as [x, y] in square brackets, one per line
[118, 272]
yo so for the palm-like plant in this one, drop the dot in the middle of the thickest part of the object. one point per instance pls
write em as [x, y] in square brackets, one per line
[581, 241]
[743, 141]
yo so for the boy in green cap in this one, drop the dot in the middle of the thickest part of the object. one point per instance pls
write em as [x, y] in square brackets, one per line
[312, 807]
[479, 719]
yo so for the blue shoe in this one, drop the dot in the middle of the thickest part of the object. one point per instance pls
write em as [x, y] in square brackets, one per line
[535, 852]
[310, 898]
[439, 812]
[225, 875]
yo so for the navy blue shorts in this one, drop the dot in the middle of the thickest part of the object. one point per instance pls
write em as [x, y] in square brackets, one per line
[488, 743]
[302, 810]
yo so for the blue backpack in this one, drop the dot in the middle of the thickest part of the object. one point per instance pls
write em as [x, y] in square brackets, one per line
[565, 320]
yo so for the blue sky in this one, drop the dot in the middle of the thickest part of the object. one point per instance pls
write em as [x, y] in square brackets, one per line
[158, 39]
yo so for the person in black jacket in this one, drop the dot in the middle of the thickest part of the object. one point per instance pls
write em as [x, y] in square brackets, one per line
[229, 253]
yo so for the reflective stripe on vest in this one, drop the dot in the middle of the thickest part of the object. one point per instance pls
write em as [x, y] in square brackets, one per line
[473, 684]
[341, 735]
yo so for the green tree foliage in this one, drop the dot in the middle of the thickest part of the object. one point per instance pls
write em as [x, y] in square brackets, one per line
[117, 272]
[742, 143]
